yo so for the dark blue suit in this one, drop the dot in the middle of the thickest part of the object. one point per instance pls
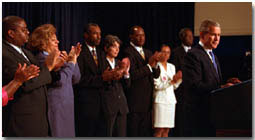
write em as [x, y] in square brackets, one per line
[199, 78]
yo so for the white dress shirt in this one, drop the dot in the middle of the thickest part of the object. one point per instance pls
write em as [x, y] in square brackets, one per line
[206, 50]
[186, 48]
[112, 63]
[91, 49]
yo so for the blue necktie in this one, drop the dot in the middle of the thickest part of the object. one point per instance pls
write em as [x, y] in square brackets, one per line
[213, 59]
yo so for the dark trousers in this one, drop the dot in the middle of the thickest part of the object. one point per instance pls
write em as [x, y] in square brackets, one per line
[139, 124]
[178, 129]
[197, 123]
[89, 124]
[116, 125]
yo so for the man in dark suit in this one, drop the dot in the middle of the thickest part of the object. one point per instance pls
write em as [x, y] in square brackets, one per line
[201, 74]
[95, 76]
[177, 58]
[178, 54]
[139, 95]
[26, 114]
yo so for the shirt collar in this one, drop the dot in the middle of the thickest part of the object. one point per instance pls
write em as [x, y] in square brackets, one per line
[45, 53]
[112, 64]
[186, 48]
[18, 49]
[91, 48]
[206, 50]
[138, 48]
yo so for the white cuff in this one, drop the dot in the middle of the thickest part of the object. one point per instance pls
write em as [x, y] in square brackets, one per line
[126, 76]
[149, 67]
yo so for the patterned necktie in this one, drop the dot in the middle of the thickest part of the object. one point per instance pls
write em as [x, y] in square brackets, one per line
[213, 59]
[142, 54]
[95, 56]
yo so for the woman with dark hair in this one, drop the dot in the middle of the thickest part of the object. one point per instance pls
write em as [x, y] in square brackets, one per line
[164, 98]
[60, 93]
[114, 99]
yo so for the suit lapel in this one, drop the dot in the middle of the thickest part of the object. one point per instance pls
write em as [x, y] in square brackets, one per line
[17, 54]
[146, 53]
[116, 62]
[211, 64]
[138, 55]
[218, 66]
[183, 53]
[30, 56]
[100, 59]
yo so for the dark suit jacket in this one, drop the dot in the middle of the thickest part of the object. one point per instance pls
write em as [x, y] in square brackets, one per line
[88, 99]
[26, 115]
[199, 78]
[91, 84]
[177, 57]
[113, 98]
[139, 95]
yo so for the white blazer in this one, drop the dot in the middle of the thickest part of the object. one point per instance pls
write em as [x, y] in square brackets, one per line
[164, 91]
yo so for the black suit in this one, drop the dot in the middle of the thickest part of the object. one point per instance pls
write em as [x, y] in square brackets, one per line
[90, 120]
[177, 58]
[26, 115]
[115, 106]
[139, 95]
[199, 78]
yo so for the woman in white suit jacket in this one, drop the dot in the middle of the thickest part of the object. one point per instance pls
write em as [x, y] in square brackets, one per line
[164, 98]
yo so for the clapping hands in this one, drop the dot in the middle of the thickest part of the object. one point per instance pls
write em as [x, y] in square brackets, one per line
[157, 56]
[24, 73]
[176, 77]
[124, 65]
[117, 73]
[74, 53]
[52, 60]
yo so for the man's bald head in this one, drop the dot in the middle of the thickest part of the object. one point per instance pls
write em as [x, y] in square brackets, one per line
[137, 35]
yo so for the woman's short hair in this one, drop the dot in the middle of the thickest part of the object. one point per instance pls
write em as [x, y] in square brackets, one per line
[110, 39]
[39, 38]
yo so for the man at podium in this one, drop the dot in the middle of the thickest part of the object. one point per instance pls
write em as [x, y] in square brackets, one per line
[202, 74]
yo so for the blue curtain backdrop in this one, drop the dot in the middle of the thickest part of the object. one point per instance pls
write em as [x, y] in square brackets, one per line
[160, 20]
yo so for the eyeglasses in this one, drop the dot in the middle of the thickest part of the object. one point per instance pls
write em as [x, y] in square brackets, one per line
[23, 29]
[165, 52]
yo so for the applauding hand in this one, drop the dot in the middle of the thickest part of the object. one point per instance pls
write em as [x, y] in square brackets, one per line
[176, 77]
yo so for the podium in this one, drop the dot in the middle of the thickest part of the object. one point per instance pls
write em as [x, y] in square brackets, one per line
[231, 108]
